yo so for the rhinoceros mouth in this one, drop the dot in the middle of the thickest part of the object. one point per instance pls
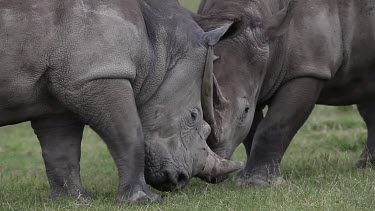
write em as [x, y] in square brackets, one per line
[167, 179]
[172, 181]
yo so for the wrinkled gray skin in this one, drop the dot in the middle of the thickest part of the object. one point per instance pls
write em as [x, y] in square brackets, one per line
[288, 57]
[131, 70]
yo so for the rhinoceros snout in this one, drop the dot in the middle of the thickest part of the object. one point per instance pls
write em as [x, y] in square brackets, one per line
[172, 181]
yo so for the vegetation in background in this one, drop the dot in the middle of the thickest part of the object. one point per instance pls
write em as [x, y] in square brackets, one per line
[190, 4]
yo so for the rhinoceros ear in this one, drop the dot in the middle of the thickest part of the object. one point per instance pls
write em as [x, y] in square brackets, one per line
[214, 36]
[278, 24]
[217, 29]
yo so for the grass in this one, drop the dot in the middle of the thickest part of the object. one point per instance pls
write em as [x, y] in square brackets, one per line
[317, 168]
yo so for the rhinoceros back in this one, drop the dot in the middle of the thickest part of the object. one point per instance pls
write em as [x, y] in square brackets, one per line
[66, 43]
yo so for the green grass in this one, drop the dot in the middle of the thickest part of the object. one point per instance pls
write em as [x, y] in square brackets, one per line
[317, 168]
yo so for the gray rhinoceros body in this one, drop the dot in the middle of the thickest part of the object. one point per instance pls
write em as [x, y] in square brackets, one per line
[51, 46]
[132, 70]
[288, 55]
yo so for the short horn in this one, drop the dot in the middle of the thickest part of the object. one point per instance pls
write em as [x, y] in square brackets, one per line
[218, 96]
[217, 166]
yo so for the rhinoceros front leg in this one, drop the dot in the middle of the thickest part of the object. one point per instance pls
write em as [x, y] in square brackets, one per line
[60, 138]
[288, 110]
[367, 111]
[108, 107]
[258, 117]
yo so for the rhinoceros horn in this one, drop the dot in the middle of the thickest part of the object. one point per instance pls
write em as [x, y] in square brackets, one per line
[211, 94]
[218, 97]
[214, 165]
[207, 89]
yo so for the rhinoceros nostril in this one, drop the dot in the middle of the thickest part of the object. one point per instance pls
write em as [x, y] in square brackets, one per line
[176, 180]
[171, 178]
[182, 180]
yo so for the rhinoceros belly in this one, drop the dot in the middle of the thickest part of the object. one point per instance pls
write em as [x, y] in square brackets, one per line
[23, 98]
[354, 83]
[354, 88]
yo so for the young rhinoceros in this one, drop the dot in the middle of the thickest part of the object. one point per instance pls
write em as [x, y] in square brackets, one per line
[130, 69]
[288, 55]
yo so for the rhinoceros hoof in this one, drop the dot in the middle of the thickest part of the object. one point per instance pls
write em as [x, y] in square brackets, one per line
[367, 159]
[365, 162]
[139, 197]
[246, 179]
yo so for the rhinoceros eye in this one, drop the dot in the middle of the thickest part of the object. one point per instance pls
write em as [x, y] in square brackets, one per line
[191, 120]
[243, 116]
[243, 110]
[194, 115]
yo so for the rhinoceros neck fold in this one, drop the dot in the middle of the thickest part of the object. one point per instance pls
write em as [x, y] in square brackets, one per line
[161, 21]
[275, 71]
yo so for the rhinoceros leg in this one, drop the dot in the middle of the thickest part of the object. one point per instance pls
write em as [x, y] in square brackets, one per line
[288, 110]
[108, 107]
[367, 111]
[258, 117]
[60, 138]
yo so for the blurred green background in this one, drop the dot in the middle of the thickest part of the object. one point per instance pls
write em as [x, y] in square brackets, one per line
[191, 4]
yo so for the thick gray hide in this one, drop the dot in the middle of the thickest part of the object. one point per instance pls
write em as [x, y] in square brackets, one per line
[132, 70]
[287, 56]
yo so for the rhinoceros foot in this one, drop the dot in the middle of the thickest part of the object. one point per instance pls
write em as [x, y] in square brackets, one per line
[262, 176]
[138, 196]
[367, 159]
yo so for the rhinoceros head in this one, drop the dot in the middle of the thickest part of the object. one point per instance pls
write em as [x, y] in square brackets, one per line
[173, 124]
[241, 68]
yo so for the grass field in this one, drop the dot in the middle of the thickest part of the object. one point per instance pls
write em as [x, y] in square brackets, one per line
[317, 168]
